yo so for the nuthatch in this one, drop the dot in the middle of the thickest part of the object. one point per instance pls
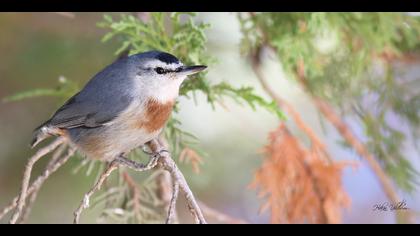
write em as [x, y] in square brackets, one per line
[122, 107]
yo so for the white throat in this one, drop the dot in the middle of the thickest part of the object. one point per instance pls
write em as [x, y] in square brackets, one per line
[167, 92]
[160, 89]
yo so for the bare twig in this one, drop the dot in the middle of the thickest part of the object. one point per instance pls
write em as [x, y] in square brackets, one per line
[220, 216]
[27, 175]
[32, 196]
[168, 193]
[121, 161]
[85, 202]
[172, 206]
[28, 207]
[165, 191]
[168, 164]
[164, 159]
[8, 208]
[207, 211]
[138, 166]
[35, 186]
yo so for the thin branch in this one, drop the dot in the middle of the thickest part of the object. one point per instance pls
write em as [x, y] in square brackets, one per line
[165, 193]
[220, 216]
[85, 202]
[35, 186]
[168, 191]
[27, 175]
[32, 196]
[207, 211]
[137, 166]
[119, 161]
[51, 168]
[168, 164]
[28, 207]
[172, 206]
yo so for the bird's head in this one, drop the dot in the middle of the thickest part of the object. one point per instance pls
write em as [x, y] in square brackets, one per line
[160, 74]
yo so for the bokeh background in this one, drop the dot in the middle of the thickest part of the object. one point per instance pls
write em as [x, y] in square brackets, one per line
[37, 48]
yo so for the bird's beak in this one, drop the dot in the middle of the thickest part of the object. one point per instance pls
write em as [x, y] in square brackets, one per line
[190, 70]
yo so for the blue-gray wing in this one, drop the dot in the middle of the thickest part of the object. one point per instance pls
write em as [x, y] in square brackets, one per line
[103, 98]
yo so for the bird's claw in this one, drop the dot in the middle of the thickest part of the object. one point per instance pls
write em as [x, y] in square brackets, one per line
[155, 154]
[159, 153]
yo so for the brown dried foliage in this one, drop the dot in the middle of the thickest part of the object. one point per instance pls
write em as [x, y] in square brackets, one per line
[297, 184]
[189, 155]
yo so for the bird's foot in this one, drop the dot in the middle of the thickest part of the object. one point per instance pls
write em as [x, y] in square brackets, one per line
[155, 154]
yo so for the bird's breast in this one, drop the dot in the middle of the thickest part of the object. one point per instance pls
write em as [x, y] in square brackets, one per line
[138, 124]
[155, 115]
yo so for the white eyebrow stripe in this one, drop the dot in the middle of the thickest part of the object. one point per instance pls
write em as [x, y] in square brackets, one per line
[157, 63]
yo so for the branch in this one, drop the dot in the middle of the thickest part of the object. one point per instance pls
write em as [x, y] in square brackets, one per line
[36, 185]
[168, 194]
[172, 205]
[220, 216]
[32, 196]
[85, 202]
[27, 175]
[168, 164]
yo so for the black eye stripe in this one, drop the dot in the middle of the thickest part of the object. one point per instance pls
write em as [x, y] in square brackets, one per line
[160, 70]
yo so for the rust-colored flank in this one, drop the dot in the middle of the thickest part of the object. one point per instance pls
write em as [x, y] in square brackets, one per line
[156, 115]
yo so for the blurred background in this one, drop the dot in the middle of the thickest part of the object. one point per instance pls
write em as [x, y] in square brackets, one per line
[37, 48]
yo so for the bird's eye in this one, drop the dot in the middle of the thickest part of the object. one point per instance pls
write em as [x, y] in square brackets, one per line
[160, 70]
[178, 69]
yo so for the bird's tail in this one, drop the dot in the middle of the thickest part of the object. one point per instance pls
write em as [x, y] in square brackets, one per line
[40, 133]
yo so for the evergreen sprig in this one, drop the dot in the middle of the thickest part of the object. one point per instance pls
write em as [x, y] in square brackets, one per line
[342, 54]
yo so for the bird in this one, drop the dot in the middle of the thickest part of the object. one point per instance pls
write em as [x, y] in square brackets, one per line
[122, 107]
